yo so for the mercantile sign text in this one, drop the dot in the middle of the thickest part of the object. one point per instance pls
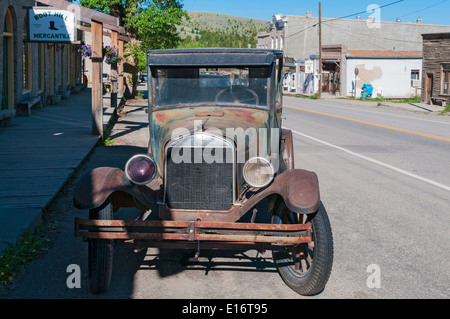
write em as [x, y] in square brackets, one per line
[48, 24]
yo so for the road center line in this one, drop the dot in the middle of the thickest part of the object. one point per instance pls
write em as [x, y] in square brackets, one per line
[445, 139]
[398, 170]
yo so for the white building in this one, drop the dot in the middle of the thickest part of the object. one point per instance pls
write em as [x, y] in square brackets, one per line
[393, 74]
[298, 36]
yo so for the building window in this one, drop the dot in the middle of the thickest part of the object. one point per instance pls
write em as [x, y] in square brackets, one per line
[69, 64]
[52, 68]
[415, 76]
[446, 79]
[61, 67]
[26, 61]
[41, 66]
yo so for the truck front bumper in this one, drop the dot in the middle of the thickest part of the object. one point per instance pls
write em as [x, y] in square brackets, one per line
[190, 234]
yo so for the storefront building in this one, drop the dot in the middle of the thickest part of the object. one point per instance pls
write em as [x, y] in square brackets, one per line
[32, 70]
[436, 68]
[40, 61]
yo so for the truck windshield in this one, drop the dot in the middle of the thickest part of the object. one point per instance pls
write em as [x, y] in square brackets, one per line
[236, 86]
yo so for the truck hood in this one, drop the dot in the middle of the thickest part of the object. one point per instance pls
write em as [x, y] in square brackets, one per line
[169, 123]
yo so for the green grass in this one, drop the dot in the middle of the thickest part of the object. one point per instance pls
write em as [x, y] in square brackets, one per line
[415, 99]
[17, 254]
[445, 110]
[300, 96]
[105, 140]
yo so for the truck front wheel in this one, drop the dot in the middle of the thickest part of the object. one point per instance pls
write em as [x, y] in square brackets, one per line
[101, 252]
[305, 268]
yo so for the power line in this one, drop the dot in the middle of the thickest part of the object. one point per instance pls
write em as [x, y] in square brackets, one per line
[343, 17]
[378, 37]
[362, 12]
[417, 11]
[362, 40]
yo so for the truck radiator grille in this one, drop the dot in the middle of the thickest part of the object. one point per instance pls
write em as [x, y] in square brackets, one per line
[199, 185]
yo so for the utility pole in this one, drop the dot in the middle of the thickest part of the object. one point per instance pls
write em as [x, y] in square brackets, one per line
[320, 50]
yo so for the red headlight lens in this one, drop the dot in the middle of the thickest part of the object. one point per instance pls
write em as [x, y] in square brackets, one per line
[140, 169]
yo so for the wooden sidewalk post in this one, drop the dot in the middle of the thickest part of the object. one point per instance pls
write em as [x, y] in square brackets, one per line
[113, 75]
[99, 22]
[97, 72]
[120, 70]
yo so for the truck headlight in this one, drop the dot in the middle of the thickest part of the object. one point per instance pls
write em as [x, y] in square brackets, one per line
[140, 169]
[258, 172]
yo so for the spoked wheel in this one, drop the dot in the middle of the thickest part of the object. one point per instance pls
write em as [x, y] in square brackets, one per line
[101, 252]
[305, 268]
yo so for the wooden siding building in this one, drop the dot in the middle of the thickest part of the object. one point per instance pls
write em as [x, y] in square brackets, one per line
[41, 72]
[436, 68]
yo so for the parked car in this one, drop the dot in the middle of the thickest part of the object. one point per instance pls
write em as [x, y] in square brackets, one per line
[106, 83]
[217, 154]
[105, 78]
[143, 77]
[213, 80]
[240, 81]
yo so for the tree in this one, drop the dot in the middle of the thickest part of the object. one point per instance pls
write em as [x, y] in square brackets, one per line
[151, 23]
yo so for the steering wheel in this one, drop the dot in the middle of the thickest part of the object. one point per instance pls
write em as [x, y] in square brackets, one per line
[238, 94]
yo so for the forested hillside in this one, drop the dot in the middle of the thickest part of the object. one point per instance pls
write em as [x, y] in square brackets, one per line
[207, 29]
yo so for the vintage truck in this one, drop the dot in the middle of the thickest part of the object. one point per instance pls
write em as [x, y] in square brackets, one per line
[217, 150]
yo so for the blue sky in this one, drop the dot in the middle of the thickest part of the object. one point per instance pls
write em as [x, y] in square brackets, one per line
[431, 11]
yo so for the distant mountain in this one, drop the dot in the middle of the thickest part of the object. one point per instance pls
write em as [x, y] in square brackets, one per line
[211, 21]
[209, 29]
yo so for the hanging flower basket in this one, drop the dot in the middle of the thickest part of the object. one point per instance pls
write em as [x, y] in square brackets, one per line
[111, 55]
[86, 51]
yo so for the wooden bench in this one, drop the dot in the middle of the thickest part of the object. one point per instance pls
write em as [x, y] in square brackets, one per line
[6, 116]
[442, 100]
[24, 107]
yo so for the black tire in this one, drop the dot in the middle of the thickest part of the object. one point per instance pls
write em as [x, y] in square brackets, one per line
[101, 253]
[307, 268]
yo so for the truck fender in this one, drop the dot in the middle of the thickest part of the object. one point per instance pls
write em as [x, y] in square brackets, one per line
[297, 187]
[299, 190]
[100, 183]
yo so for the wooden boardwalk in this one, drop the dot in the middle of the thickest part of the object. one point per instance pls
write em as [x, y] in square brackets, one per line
[38, 154]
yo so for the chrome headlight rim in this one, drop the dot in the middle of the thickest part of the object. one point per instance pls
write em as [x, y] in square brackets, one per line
[272, 174]
[133, 158]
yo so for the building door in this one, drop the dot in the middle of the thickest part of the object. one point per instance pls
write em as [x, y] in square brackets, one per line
[428, 88]
[8, 63]
[5, 74]
[52, 70]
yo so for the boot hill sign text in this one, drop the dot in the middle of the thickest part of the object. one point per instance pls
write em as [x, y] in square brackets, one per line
[51, 25]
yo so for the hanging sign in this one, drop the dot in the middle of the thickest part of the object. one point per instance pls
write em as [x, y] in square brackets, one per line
[309, 67]
[48, 24]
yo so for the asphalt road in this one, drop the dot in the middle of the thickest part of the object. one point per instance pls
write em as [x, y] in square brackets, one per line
[386, 187]
[384, 180]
